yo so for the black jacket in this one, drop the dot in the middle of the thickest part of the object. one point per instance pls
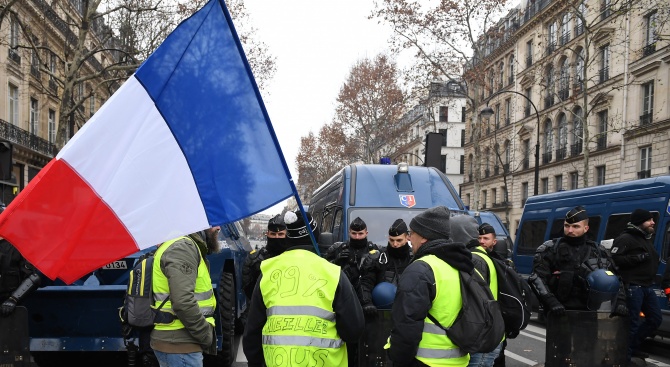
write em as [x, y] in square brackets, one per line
[415, 296]
[349, 320]
[392, 262]
[560, 270]
[360, 268]
[625, 252]
[14, 268]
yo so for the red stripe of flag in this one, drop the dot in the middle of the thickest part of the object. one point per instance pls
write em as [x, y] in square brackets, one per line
[64, 211]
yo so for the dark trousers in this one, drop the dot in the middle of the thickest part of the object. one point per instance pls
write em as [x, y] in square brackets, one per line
[642, 299]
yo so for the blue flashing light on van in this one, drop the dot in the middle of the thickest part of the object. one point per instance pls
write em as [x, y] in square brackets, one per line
[609, 208]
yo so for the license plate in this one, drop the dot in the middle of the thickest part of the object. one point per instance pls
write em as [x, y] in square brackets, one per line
[116, 265]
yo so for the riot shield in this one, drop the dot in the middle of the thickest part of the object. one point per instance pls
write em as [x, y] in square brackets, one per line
[371, 352]
[586, 339]
[14, 339]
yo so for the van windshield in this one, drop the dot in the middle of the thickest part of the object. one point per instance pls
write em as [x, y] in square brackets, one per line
[379, 221]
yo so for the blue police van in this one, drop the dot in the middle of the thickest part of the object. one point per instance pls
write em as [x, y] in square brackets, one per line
[609, 208]
[381, 193]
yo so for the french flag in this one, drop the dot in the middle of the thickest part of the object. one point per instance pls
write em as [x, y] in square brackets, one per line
[183, 145]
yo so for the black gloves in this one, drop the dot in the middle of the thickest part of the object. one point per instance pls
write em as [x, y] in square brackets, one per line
[641, 257]
[369, 309]
[343, 255]
[8, 306]
[620, 310]
[554, 307]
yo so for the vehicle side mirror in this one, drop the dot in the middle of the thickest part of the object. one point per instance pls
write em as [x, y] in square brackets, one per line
[325, 239]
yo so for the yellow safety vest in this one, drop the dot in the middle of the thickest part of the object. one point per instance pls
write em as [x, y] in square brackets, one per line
[204, 294]
[298, 289]
[493, 275]
[435, 347]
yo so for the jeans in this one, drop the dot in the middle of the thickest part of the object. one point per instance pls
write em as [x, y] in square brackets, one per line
[484, 359]
[642, 299]
[179, 359]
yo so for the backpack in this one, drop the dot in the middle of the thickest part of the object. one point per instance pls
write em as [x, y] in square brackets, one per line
[479, 326]
[513, 296]
[137, 310]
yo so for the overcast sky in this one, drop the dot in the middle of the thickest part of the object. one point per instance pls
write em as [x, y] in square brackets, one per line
[316, 43]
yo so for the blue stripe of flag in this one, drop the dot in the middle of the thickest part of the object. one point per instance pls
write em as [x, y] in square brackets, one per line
[201, 83]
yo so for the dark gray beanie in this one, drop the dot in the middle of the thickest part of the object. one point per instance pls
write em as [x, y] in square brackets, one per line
[432, 224]
[463, 228]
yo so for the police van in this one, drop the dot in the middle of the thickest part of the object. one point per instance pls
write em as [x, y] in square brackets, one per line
[609, 208]
[381, 193]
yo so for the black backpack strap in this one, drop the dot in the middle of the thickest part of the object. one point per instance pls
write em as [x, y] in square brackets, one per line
[434, 320]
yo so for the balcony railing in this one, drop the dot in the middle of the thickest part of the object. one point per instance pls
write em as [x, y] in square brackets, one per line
[14, 55]
[35, 71]
[561, 153]
[563, 94]
[546, 158]
[548, 101]
[601, 143]
[579, 29]
[487, 173]
[496, 170]
[502, 204]
[576, 149]
[605, 11]
[22, 137]
[604, 74]
[529, 61]
[551, 46]
[526, 163]
[646, 119]
[510, 80]
[565, 38]
[469, 177]
[526, 111]
[53, 86]
[649, 49]
[506, 168]
[644, 173]
[507, 121]
[577, 86]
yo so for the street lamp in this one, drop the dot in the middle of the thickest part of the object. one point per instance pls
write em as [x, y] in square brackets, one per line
[487, 112]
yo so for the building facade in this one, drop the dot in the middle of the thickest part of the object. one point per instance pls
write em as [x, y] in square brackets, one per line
[579, 93]
[443, 112]
[35, 39]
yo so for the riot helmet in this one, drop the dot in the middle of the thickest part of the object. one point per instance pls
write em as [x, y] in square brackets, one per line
[383, 295]
[603, 287]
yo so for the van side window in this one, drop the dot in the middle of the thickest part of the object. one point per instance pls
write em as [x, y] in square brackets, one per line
[616, 223]
[531, 236]
[337, 224]
[665, 250]
[327, 222]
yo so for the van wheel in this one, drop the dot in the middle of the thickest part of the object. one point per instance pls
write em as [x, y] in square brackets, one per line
[227, 313]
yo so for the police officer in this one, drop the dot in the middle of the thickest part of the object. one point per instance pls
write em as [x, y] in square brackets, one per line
[17, 277]
[357, 257]
[464, 229]
[560, 267]
[276, 240]
[430, 284]
[396, 256]
[303, 309]
[559, 279]
[634, 253]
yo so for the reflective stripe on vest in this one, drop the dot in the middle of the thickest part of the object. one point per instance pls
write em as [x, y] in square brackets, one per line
[300, 326]
[203, 292]
[435, 347]
[493, 274]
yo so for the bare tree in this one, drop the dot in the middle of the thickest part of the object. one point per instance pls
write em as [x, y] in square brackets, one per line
[445, 38]
[369, 104]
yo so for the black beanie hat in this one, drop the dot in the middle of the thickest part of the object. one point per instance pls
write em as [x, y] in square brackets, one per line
[276, 224]
[296, 230]
[463, 228]
[486, 228]
[432, 224]
[397, 228]
[577, 214]
[640, 216]
[357, 224]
